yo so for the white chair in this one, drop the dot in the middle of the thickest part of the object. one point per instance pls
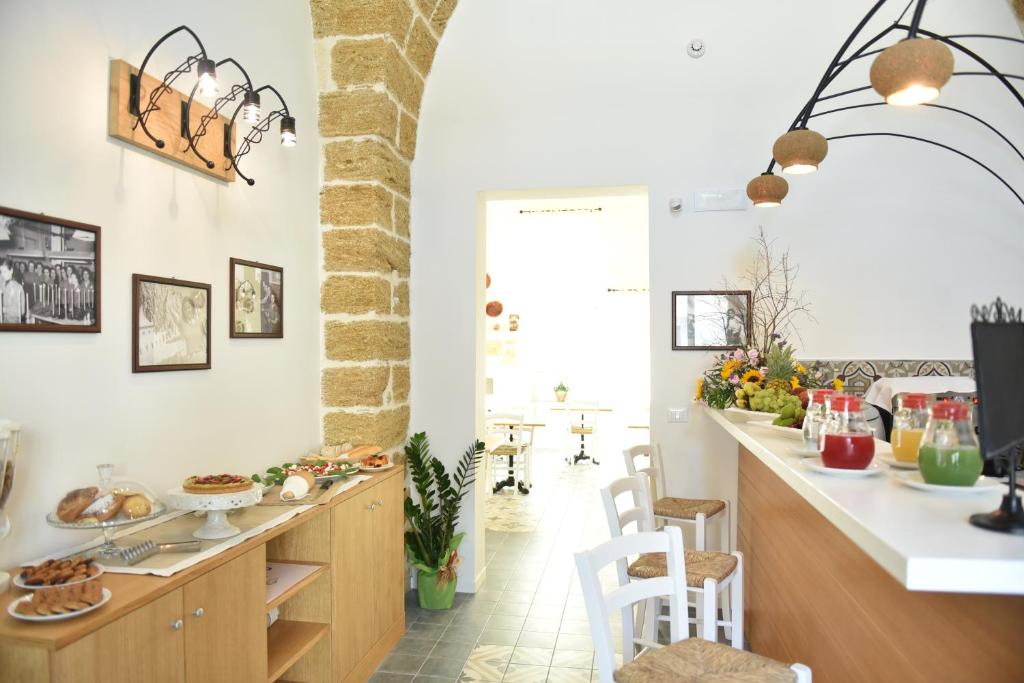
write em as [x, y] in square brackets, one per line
[711, 576]
[505, 440]
[583, 423]
[684, 658]
[695, 511]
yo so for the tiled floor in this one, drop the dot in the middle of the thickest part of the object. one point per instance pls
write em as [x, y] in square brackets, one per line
[527, 623]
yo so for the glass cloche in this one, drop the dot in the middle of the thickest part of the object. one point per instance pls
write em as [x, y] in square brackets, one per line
[108, 504]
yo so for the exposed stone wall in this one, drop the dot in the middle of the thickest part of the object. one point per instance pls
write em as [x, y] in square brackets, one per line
[373, 57]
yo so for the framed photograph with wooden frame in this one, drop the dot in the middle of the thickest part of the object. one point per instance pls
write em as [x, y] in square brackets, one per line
[170, 324]
[49, 274]
[712, 320]
[256, 300]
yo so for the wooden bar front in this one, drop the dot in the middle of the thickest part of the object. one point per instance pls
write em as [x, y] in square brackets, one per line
[813, 596]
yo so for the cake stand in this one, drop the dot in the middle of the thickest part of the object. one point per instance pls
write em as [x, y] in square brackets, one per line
[216, 506]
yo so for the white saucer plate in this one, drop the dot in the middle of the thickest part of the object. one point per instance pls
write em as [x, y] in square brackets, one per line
[787, 432]
[24, 586]
[892, 462]
[803, 452]
[816, 465]
[915, 481]
[364, 468]
[55, 617]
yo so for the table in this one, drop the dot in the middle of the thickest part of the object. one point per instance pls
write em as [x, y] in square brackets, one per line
[865, 579]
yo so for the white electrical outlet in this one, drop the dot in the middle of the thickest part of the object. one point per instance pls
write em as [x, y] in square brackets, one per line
[678, 414]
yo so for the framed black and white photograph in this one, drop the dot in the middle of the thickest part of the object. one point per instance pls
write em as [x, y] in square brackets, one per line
[49, 274]
[170, 324]
[257, 300]
[710, 320]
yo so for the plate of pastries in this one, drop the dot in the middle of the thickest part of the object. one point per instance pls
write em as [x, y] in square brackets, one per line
[91, 506]
[66, 572]
[377, 461]
[56, 603]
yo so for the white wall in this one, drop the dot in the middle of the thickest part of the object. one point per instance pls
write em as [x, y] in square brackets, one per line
[75, 395]
[895, 240]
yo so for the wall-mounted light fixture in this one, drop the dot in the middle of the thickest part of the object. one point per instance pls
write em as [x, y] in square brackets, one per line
[907, 73]
[141, 113]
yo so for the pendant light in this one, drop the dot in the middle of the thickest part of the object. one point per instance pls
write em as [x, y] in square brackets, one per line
[912, 71]
[767, 189]
[800, 151]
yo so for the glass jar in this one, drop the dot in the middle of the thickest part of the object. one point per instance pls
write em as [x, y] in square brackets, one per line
[847, 441]
[949, 453]
[815, 417]
[908, 423]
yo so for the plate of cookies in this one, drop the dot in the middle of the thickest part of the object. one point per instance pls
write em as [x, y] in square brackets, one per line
[60, 602]
[66, 572]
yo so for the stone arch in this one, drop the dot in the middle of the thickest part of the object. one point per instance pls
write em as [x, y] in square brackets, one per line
[373, 58]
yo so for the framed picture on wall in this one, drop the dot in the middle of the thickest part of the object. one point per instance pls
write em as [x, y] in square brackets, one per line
[710, 320]
[49, 274]
[257, 300]
[170, 324]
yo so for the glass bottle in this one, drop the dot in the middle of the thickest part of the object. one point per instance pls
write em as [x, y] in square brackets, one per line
[815, 417]
[908, 423]
[847, 441]
[949, 453]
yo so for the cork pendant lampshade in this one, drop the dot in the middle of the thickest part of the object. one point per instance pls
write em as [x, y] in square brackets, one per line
[912, 71]
[800, 151]
[767, 189]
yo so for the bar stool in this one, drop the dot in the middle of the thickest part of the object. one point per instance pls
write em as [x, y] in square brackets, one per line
[685, 658]
[709, 574]
[680, 511]
[585, 427]
[505, 440]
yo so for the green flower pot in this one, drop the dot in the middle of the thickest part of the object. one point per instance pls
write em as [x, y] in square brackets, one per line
[434, 594]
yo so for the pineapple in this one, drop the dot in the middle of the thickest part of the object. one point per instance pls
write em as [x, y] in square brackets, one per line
[779, 366]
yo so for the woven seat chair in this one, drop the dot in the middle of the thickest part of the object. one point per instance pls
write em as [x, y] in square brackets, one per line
[681, 511]
[684, 659]
[712, 577]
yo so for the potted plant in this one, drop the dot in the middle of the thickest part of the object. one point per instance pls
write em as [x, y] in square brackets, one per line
[560, 391]
[430, 539]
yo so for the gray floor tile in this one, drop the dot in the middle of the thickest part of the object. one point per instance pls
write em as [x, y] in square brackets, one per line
[512, 609]
[439, 666]
[518, 597]
[462, 634]
[388, 677]
[506, 622]
[421, 630]
[453, 650]
[434, 679]
[402, 663]
[533, 639]
[414, 646]
[498, 637]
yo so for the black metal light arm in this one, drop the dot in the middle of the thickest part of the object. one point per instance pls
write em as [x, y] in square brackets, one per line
[936, 144]
[254, 136]
[213, 113]
[134, 103]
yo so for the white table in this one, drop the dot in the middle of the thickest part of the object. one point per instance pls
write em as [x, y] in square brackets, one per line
[882, 391]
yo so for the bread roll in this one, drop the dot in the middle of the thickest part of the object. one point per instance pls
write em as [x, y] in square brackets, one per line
[75, 502]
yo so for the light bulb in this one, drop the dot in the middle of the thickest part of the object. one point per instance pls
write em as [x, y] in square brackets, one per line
[767, 204]
[911, 95]
[800, 169]
[207, 71]
[288, 131]
[251, 108]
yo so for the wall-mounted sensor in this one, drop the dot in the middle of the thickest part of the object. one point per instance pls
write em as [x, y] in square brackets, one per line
[696, 48]
[675, 204]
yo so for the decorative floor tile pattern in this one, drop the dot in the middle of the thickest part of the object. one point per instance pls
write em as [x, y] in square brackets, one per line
[527, 623]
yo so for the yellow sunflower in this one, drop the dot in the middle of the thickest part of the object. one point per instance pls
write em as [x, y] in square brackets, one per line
[700, 388]
[801, 369]
[837, 384]
[794, 381]
[752, 376]
[730, 367]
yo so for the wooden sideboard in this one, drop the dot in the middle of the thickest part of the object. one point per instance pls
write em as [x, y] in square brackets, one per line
[207, 624]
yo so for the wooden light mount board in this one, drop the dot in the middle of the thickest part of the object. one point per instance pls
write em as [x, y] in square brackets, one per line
[165, 123]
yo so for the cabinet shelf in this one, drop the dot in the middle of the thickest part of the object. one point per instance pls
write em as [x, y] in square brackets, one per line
[287, 641]
[293, 577]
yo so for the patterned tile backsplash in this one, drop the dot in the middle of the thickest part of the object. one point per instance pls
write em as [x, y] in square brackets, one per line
[859, 374]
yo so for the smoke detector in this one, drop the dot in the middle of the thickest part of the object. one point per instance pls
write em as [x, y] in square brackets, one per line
[696, 48]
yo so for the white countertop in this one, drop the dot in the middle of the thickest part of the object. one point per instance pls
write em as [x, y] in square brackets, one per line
[922, 539]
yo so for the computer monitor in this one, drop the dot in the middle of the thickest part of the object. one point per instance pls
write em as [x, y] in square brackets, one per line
[999, 371]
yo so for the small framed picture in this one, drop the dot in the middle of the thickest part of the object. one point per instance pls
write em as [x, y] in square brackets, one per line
[257, 300]
[170, 324]
[49, 274]
[710, 320]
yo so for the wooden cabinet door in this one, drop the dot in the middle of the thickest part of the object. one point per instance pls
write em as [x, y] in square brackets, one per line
[147, 644]
[225, 622]
[389, 563]
[352, 567]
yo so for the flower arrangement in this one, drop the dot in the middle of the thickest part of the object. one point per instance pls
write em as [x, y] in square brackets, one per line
[723, 384]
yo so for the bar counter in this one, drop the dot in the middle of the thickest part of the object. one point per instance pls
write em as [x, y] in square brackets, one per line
[867, 579]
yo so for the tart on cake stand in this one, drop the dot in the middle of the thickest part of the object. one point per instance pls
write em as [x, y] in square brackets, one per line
[215, 500]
